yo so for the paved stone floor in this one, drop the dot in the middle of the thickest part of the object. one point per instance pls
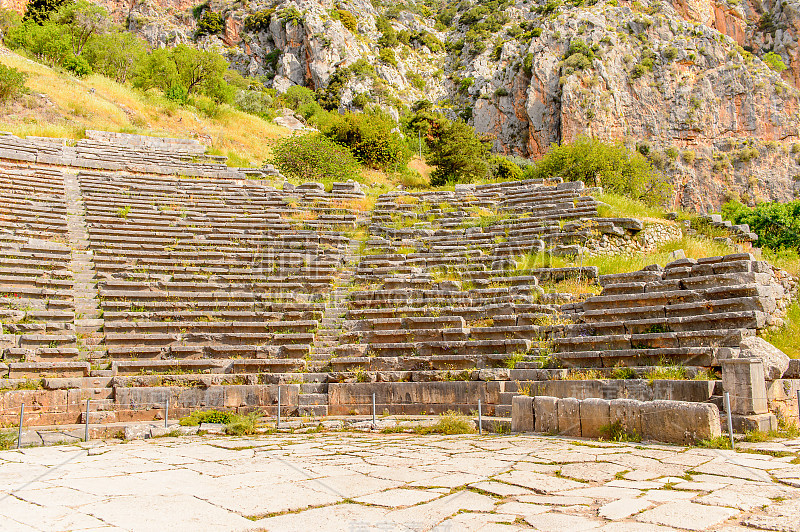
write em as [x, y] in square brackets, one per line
[403, 482]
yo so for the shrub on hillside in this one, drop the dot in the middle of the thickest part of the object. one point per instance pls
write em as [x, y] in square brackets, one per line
[776, 224]
[314, 157]
[12, 83]
[774, 61]
[210, 23]
[116, 54]
[348, 20]
[78, 66]
[372, 139]
[48, 43]
[610, 165]
[505, 170]
[39, 11]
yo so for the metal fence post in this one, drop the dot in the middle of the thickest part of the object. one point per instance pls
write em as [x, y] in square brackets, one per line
[278, 421]
[19, 432]
[480, 418]
[730, 420]
[798, 408]
[373, 410]
[166, 414]
[86, 429]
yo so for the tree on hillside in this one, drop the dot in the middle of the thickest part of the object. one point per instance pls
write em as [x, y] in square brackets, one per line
[39, 11]
[116, 54]
[459, 154]
[83, 20]
[184, 70]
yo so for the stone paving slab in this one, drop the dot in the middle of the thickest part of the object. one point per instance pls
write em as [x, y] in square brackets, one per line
[400, 482]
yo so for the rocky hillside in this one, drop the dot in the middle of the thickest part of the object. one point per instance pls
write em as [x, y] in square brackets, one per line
[683, 80]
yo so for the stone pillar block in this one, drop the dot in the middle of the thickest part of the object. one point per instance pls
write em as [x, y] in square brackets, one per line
[679, 422]
[595, 414]
[522, 415]
[743, 379]
[545, 415]
[569, 416]
[629, 413]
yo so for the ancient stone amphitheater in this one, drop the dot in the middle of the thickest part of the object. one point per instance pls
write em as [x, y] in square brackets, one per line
[137, 270]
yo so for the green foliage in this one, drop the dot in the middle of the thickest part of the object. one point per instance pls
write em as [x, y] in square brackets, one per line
[48, 42]
[527, 65]
[78, 66]
[623, 372]
[450, 422]
[330, 97]
[717, 442]
[387, 56]
[82, 20]
[776, 224]
[314, 157]
[210, 24]
[774, 61]
[207, 416]
[12, 83]
[258, 21]
[458, 153]
[618, 432]
[579, 55]
[670, 53]
[348, 20]
[8, 20]
[7, 440]
[39, 11]
[371, 139]
[388, 38]
[174, 70]
[505, 170]
[116, 54]
[243, 425]
[611, 166]
[297, 96]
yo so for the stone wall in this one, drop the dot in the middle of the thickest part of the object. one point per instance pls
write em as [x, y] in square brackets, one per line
[649, 239]
[667, 421]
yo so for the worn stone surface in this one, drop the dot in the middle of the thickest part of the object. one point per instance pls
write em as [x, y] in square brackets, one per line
[775, 361]
[343, 481]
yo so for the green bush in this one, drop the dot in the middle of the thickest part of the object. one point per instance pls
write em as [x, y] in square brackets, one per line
[371, 139]
[776, 224]
[258, 21]
[48, 43]
[387, 56]
[207, 416]
[348, 20]
[314, 157]
[210, 24]
[39, 11]
[78, 66]
[611, 166]
[578, 56]
[774, 61]
[670, 53]
[12, 83]
[505, 170]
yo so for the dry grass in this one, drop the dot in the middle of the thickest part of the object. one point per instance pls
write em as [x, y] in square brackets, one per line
[69, 107]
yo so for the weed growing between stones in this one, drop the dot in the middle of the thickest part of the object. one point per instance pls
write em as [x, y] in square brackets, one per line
[207, 416]
[720, 442]
[7, 440]
[235, 424]
[617, 432]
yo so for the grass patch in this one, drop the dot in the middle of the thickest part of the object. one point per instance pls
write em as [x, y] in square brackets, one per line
[450, 422]
[786, 337]
[7, 440]
[618, 432]
[618, 206]
[669, 373]
[719, 442]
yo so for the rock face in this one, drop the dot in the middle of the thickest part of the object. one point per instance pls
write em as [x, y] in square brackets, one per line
[682, 80]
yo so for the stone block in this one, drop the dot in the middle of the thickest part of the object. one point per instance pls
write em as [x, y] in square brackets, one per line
[522, 414]
[775, 361]
[679, 422]
[628, 413]
[545, 415]
[743, 379]
[569, 416]
[595, 414]
[754, 422]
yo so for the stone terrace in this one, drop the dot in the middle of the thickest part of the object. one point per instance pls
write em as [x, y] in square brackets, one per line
[138, 270]
[346, 482]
